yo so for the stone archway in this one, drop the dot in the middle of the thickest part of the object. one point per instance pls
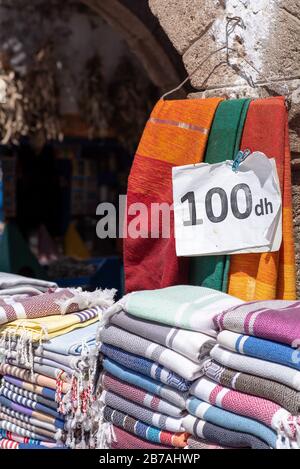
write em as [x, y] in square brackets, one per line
[145, 38]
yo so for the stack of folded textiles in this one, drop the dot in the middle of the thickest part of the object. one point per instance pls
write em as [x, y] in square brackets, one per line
[48, 361]
[252, 381]
[154, 345]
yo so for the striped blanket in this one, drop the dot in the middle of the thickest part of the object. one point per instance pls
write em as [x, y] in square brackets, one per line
[221, 436]
[260, 348]
[10, 427]
[19, 399]
[70, 343]
[53, 303]
[278, 321]
[156, 419]
[134, 344]
[125, 440]
[33, 378]
[204, 411]
[30, 395]
[146, 367]
[140, 429]
[14, 406]
[52, 435]
[283, 395]
[254, 366]
[193, 345]
[37, 419]
[262, 410]
[150, 385]
[138, 396]
[47, 327]
[45, 392]
[182, 306]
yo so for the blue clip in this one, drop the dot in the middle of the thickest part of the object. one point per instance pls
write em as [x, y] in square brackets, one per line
[240, 157]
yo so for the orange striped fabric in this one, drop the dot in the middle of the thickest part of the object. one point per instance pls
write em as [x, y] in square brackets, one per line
[268, 275]
[176, 134]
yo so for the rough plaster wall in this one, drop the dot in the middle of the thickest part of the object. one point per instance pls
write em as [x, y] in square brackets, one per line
[264, 47]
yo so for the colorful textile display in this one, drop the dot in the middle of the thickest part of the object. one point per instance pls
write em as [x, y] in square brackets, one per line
[46, 392]
[268, 275]
[254, 367]
[176, 134]
[139, 338]
[272, 320]
[223, 144]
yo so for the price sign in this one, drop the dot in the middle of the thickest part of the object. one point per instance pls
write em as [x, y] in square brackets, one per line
[221, 211]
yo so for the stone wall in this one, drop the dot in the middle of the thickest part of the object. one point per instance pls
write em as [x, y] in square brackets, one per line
[241, 48]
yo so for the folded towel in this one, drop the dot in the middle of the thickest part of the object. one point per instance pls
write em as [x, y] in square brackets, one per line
[223, 418]
[222, 436]
[271, 320]
[138, 396]
[19, 399]
[30, 395]
[254, 366]
[139, 428]
[162, 421]
[38, 419]
[176, 134]
[10, 404]
[145, 367]
[132, 343]
[11, 281]
[182, 306]
[53, 303]
[10, 427]
[125, 440]
[150, 385]
[193, 345]
[260, 348]
[52, 435]
[35, 330]
[262, 410]
[283, 395]
[71, 343]
[27, 422]
[33, 388]
[34, 378]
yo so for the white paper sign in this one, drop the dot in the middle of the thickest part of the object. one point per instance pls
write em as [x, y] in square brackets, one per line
[219, 211]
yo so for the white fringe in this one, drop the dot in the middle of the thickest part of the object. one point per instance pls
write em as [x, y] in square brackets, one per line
[86, 300]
